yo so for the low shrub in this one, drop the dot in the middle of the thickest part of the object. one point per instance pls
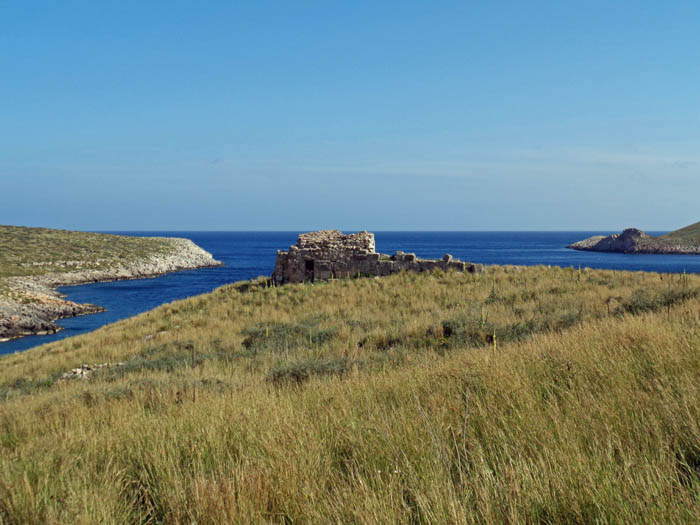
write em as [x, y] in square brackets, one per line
[302, 371]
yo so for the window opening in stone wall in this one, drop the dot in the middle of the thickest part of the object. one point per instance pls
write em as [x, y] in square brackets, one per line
[309, 267]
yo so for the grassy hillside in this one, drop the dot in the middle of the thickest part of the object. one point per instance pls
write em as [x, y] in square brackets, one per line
[35, 251]
[539, 395]
[689, 236]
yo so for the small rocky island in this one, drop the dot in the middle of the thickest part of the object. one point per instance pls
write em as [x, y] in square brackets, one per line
[685, 241]
[330, 254]
[36, 261]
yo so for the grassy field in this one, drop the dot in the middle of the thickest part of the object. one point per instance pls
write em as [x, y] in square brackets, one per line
[540, 395]
[62, 250]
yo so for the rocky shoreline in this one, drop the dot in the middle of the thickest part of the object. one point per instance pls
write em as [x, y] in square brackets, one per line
[633, 240]
[34, 304]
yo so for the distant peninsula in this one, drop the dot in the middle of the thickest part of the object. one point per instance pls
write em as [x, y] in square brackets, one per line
[685, 241]
[36, 261]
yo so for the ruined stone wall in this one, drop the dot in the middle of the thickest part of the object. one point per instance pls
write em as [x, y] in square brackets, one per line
[330, 254]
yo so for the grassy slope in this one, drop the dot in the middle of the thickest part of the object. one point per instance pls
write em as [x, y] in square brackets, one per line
[372, 400]
[62, 250]
[689, 236]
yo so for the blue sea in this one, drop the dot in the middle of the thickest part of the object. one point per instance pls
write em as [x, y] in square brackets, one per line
[250, 254]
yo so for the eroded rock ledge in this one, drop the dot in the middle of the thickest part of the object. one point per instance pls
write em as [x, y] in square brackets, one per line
[330, 254]
[33, 305]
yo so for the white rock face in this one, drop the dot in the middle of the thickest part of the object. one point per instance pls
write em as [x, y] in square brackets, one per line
[43, 304]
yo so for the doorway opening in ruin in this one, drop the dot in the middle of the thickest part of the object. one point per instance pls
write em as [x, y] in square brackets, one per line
[309, 270]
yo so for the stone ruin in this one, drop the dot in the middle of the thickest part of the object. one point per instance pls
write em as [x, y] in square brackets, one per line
[330, 254]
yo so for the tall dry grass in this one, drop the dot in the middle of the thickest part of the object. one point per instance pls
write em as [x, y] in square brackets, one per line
[370, 401]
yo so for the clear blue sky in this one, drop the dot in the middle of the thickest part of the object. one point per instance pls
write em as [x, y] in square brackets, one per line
[405, 115]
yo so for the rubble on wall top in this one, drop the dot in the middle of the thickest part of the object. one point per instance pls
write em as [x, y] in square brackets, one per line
[362, 241]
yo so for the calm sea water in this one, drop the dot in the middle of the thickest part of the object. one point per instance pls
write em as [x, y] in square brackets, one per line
[250, 254]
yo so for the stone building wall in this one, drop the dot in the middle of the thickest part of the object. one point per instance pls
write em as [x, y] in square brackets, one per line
[330, 254]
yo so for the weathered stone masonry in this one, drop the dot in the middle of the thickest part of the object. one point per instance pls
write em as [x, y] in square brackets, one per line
[330, 254]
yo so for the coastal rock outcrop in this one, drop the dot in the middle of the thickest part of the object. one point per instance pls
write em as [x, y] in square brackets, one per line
[33, 305]
[330, 254]
[633, 240]
[628, 241]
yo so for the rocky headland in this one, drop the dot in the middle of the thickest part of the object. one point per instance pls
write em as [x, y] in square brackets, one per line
[685, 241]
[30, 304]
